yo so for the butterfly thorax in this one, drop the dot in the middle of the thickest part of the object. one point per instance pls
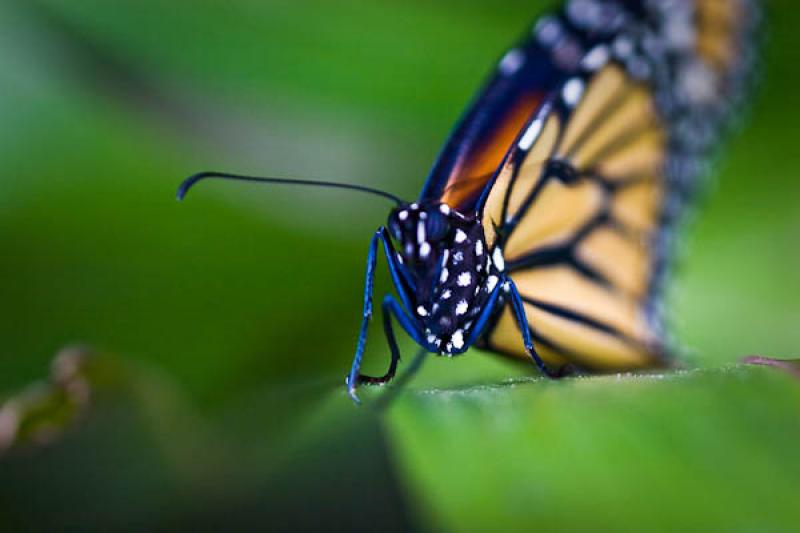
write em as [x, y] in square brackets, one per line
[444, 254]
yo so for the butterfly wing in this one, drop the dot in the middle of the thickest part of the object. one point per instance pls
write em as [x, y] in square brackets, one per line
[583, 204]
[481, 140]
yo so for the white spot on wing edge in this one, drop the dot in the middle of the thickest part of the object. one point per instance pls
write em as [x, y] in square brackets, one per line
[512, 61]
[498, 260]
[572, 91]
[491, 283]
[421, 311]
[531, 134]
[596, 58]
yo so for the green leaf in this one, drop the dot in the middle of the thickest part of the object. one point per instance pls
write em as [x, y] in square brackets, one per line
[700, 450]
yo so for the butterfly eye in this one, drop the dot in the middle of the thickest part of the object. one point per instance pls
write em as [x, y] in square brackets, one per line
[436, 226]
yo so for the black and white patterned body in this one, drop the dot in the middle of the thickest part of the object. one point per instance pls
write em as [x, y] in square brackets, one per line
[444, 258]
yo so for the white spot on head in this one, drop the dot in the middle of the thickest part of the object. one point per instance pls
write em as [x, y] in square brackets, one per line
[446, 294]
[491, 283]
[424, 250]
[497, 259]
[572, 91]
[596, 58]
[443, 277]
[414, 206]
[421, 311]
[512, 61]
[478, 247]
[460, 236]
[462, 307]
[458, 339]
[402, 215]
[531, 134]
[464, 279]
[444, 209]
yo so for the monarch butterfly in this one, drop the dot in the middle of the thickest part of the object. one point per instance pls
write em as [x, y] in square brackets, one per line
[543, 230]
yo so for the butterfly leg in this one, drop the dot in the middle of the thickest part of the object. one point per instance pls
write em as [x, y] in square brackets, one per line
[381, 236]
[391, 340]
[524, 327]
[352, 378]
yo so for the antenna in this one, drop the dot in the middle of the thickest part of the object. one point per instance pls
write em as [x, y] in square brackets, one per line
[189, 182]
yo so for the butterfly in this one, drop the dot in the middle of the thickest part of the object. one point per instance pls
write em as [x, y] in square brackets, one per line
[544, 229]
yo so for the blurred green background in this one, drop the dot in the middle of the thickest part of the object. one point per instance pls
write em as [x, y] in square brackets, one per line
[222, 327]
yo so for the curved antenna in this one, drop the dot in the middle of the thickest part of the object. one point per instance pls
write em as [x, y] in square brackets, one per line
[189, 182]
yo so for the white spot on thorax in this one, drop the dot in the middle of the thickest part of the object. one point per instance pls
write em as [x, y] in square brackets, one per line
[497, 259]
[572, 91]
[462, 307]
[420, 232]
[464, 279]
[424, 250]
[460, 236]
[458, 339]
[511, 62]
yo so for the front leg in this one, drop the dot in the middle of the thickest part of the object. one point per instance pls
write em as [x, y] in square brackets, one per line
[354, 378]
[388, 307]
[525, 328]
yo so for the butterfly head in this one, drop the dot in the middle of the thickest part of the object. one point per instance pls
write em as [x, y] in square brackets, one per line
[421, 231]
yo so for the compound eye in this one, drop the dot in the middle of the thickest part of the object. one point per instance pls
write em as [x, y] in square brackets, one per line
[394, 229]
[436, 226]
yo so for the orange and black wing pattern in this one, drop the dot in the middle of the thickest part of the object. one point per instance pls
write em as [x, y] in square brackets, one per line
[583, 204]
